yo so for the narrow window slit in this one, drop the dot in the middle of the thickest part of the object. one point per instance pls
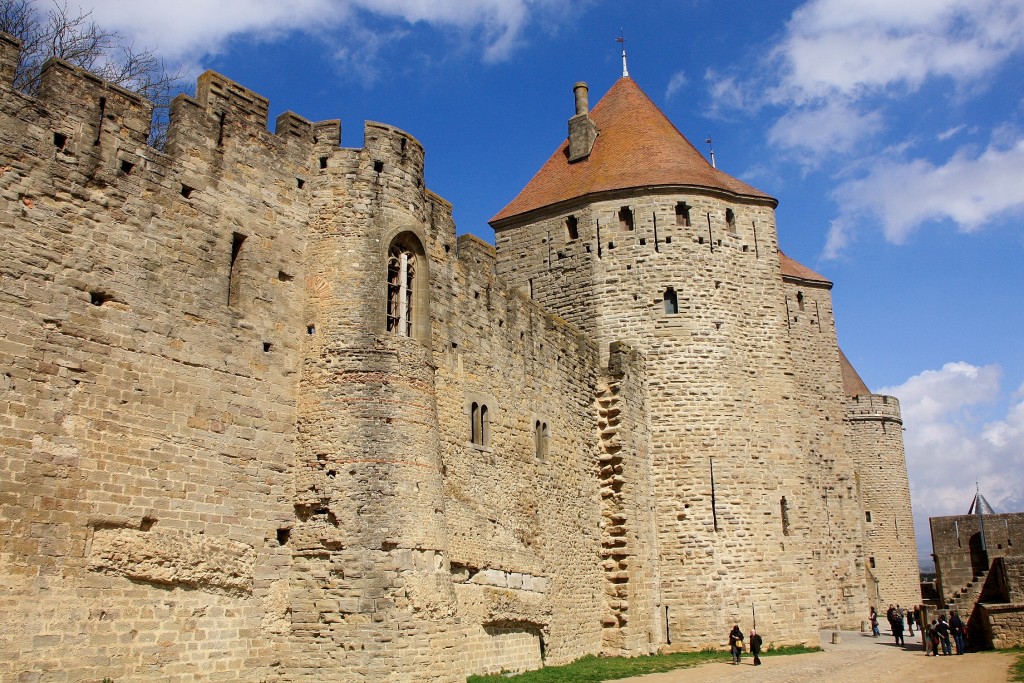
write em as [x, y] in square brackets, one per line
[237, 241]
[60, 140]
[99, 123]
[220, 128]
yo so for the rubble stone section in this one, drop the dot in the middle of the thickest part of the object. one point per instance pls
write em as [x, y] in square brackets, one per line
[632, 622]
[176, 559]
[875, 429]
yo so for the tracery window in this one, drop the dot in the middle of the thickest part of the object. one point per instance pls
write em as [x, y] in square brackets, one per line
[401, 274]
[479, 424]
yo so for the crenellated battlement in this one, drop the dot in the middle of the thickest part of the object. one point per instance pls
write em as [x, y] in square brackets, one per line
[874, 407]
[224, 122]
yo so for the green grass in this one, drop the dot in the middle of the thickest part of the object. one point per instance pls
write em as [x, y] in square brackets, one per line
[592, 669]
[1017, 670]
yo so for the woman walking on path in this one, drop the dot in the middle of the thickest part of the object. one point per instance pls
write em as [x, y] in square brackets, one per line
[735, 643]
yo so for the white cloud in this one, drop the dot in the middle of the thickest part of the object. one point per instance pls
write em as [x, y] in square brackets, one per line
[950, 132]
[854, 47]
[970, 190]
[189, 29]
[675, 84]
[834, 127]
[949, 446]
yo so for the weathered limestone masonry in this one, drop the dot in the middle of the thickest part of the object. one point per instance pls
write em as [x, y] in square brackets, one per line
[830, 471]
[148, 389]
[264, 418]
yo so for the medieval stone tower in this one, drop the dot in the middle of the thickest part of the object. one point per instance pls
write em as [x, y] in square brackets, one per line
[266, 418]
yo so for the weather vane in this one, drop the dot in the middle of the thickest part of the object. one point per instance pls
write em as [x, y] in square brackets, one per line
[622, 39]
[712, 148]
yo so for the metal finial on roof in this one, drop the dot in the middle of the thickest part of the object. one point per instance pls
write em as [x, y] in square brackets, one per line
[711, 146]
[622, 39]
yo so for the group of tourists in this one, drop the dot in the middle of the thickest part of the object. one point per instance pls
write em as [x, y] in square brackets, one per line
[736, 644]
[936, 635]
[940, 631]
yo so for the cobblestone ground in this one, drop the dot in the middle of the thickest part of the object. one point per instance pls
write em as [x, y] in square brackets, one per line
[857, 657]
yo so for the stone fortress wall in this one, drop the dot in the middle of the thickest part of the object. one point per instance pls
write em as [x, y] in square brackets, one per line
[220, 462]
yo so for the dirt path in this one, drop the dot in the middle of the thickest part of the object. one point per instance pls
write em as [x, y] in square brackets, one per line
[856, 658]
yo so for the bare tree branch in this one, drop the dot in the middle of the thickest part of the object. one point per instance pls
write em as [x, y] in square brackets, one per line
[76, 38]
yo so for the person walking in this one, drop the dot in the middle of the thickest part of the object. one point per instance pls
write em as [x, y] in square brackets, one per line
[943, 630]
[895, 624]
[933, 637]
[910, 621]
[959, 630]
[755, 646]
[873, 617]
[735, 643]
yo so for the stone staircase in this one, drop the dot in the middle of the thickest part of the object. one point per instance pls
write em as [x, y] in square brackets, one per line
[963, 600]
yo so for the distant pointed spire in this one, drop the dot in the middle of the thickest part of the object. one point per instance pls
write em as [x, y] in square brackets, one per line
[980, 506]
[622, 39]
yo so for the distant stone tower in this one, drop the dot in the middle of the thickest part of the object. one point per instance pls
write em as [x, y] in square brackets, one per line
[634, 237]
[875, 432]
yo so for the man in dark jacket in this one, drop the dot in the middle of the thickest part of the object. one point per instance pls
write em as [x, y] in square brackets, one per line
[959, 630]
[942, 628]
[755, 646]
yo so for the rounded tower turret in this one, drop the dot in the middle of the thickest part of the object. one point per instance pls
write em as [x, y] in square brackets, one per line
[369, 545]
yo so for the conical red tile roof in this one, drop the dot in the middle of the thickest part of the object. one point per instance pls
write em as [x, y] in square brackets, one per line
[637, 146]
[853, 385]
[791, 268]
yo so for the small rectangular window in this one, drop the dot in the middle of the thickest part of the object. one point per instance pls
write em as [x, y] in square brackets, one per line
[572, 227]
[626, 218]
[867, 515]
[871, 562]
[671, 302]
[682, 213]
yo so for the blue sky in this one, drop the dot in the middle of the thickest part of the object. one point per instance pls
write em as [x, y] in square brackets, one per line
[891, 131]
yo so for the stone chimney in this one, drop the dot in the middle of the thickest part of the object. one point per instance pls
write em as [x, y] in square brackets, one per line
[582, 131]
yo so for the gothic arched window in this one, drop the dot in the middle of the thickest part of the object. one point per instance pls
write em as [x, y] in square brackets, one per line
[401, 275]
